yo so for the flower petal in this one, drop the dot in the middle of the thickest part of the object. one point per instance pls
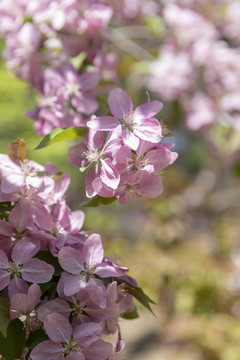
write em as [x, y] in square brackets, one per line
[24, 250]
[120, 103]
[58, 328]
[4, 279]
[47, 350]
[4, 264]
[130, 139]
[93, 250]
[37, 271]
[70, 260]
[147, 110]
[148, 129]
[103, 123]
[109, 175]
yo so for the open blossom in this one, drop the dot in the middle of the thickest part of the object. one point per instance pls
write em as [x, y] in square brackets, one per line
[23, 267]
[64, 97]
[99, 154]
[82, 343]
[82, 266]
[138, 124]
[24, 306]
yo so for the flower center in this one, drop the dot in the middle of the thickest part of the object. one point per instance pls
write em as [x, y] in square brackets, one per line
[14, 269]
[128, 121]
[72, 89]
[30, 321]
[70, 348]
[46, 101]
[93, 155]
[78, 310]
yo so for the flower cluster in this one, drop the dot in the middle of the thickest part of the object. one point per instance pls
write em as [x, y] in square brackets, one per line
[44, 33]
[127, 164]
[64, 98]
[88, 287]
[198, 62]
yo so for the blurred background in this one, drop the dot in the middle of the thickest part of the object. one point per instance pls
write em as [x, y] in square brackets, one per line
[184, 246]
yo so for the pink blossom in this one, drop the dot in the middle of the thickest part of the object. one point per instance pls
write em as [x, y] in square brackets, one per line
[138, 124]
[82, 343]
[99, 154]
[82, 266]
[23, 268]
[64, 97]
[24, 305]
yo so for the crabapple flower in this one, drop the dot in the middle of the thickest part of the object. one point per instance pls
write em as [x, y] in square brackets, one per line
[141, 183]
[23, 306]
[84, 306]
[83, 266]
[136, 125]
[82, 343]
[64, 97]
[99, 154]
[15, 174]
[23, 267]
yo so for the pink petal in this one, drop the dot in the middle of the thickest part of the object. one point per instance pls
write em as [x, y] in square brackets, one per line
[147, 110]
[149, 130]
[103, 123]
[12, 182]
[90, 329]
[74, 284]
[34, 292]
[4, 263]
[88, 80]
[59, 306]
[37, 271]
[109, 175]
[130, 139]
[4, 279]
[94, 139]
[149, 185]
[16, 286]
[120, 103]
[21, 303]
[71, 260]
[75, 356]
[93, 250]
[24, 250]
[42, 218]
[106, 270]
[85, 103]
[47, 350]
[113, 142]
[89, 180]
[98, 350]
[76, 221]
[77, 155]
[58, 328]
[6, 229]
[21, 215]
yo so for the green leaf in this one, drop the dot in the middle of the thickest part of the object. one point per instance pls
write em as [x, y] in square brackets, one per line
[139, 295]
[98, 200]
[11, 347]
[60, 134]
[131, 315]
[4, 312]
[5, 208]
